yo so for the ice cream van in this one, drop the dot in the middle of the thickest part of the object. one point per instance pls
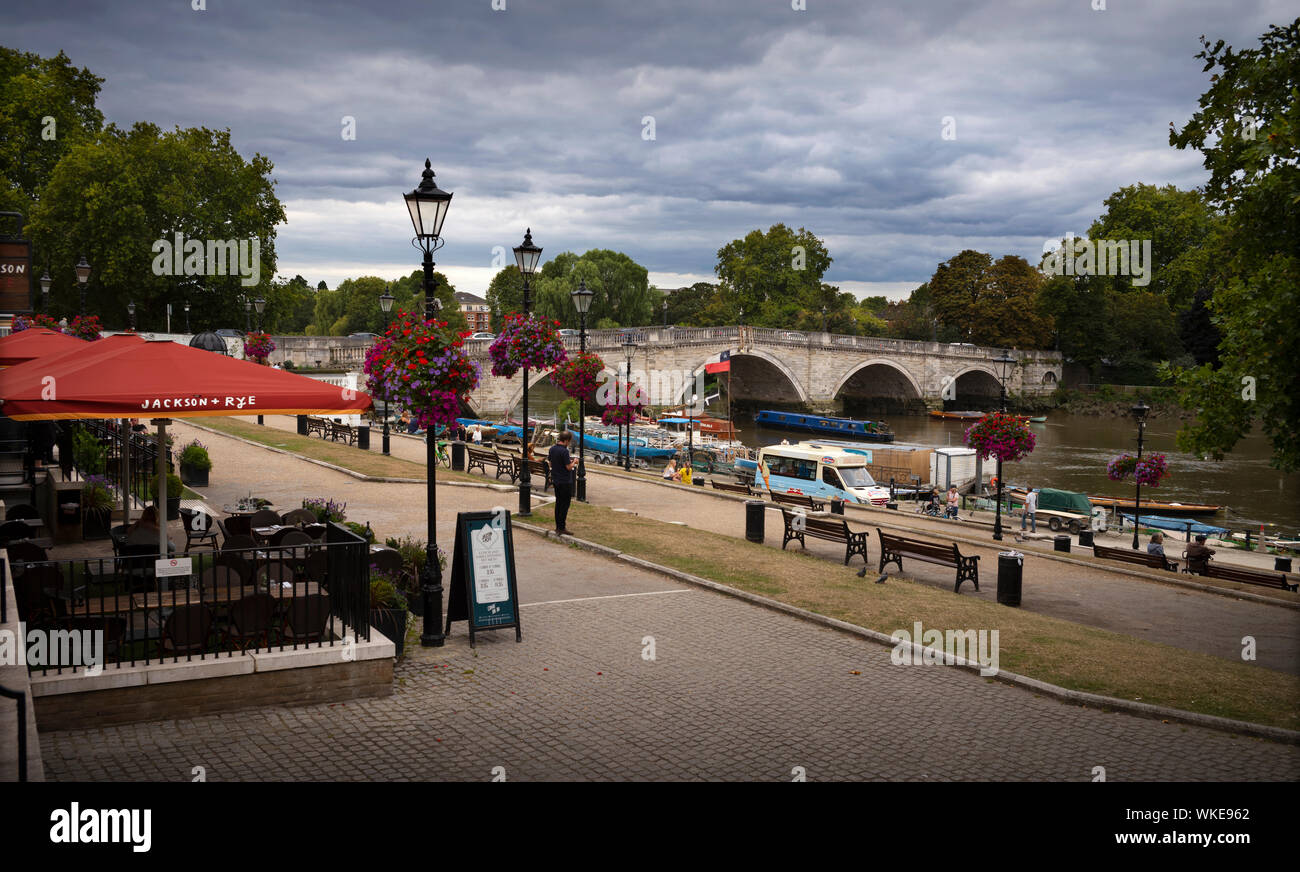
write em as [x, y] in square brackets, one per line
[819, 471]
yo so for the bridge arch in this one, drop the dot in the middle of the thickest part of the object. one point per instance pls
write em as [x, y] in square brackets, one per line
[972, 385]
[879, 382]
[752, 369]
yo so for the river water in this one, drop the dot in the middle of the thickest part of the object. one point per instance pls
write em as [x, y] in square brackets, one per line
[1072, 452]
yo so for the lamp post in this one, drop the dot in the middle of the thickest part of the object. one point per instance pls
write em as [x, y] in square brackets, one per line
[823, 318]
[629, 349]
[83, 278]
[526, 257]
[187, 316]
[582, 296]
[248, 316]
[1004, 362]
[1140, 413]
[665, 307]
[130, 311]
[385, 306]
[690, 437]
[46, 281]
[428, 206]
[259, 306]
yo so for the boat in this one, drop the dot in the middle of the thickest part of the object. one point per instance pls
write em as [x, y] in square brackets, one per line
[866, 431]
[958, 416]
[1194, 528]
[1038, 419]
[1155, 506]
[701, 424]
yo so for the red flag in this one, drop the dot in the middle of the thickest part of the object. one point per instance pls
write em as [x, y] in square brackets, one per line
[723, 364]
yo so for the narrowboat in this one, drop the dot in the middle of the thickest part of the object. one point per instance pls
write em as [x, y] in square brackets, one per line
[865, 431]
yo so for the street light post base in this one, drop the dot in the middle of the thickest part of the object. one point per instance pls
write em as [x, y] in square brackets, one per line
[525, 499]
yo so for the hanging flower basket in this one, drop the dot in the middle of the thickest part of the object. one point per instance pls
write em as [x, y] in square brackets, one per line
[579, 376]
[26, 322]
[258, 347]
[85, 327]
[1148, 471]
[1005, 437]
[421, 366]
[621, 404]
[526, 342]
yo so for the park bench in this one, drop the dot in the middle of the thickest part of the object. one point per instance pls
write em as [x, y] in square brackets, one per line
[319, 426]
[342, 431]
[894, 548]
[731, 488]
[801, 501]
[477, 457]
[1140, 558]
[798, 525]
[1248, 576]
[539, 468]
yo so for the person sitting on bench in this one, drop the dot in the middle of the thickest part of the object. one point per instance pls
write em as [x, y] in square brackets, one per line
[1156, 545]
[1198, 555]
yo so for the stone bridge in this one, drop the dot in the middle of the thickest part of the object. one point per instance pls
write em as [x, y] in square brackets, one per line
[820, 371]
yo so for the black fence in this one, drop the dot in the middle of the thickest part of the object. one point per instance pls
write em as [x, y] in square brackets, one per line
[309, 594]
[142, 455]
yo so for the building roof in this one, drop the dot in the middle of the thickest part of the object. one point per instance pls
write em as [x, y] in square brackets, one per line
[464, 297]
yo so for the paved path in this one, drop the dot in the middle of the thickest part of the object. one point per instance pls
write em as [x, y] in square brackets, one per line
[1184, 618]
[734, 691]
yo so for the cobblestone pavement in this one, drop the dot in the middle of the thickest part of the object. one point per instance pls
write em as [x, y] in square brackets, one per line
[734, 691]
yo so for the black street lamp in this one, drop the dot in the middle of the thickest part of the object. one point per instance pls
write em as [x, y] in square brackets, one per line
[823, 319]
[130, 311]
[386, 306]
[1140, 413]
[665, 313]
[248, 315]
[83, 278]
[629, 349]
[582, 302]
[46, 281]
[259, 306]
[1004, 362]
[428, 206]
[187, 316]
[526, 257]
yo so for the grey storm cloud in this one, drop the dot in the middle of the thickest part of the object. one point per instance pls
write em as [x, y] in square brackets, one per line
[828, 118]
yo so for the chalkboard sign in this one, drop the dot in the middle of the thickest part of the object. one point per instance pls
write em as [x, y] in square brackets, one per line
[483, 588]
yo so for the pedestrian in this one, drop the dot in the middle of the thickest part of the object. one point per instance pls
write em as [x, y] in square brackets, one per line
[1031, 511]
[477, 436]
[954, 500]
[562, 464]
[1198, 555]
[1157, 544]
[670, 471]
[685, 474]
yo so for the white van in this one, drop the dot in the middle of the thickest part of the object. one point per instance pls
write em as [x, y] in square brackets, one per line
[819, 471]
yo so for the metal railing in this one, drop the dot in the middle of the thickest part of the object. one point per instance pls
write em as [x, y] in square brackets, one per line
[142, 450]
[265, 598]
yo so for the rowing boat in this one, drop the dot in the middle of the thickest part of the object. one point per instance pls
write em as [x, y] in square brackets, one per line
[1155, 506]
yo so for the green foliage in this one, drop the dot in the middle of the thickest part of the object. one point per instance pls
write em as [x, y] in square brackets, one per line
[384, 593]
[174, 486]
[567, 410]
[776, 278]
[994, 303]
[353, 306]
[362, 530]
[90, 457]
[196, 455]
[1248, 131]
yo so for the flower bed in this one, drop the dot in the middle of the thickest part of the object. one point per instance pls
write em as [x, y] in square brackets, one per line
[526, 342]
[26, 322]
[1005, 437]
[421, 366]
[326, 510]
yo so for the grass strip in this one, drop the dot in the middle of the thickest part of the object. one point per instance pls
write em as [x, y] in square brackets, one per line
[1050, 649]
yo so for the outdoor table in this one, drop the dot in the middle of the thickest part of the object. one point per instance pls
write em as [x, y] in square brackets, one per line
[221, 594]
[105, 605]
[265, 533]
[236, 510]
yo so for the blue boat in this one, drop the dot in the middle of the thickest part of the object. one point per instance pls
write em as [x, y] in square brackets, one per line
[640, 447]
[863, 431]
[1182, 525]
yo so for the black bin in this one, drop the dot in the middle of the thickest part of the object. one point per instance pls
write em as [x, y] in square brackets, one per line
[1282, 564]
[754, 520]
[363, 437]
[1085, 538]
[1011, 569]
[837, 506]
[1062, 543]
[458, 456]
[302, 425]
[892, 505]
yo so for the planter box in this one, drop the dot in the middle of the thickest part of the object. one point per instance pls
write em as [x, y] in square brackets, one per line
[193, 476]
[96, 523]
[392, 623]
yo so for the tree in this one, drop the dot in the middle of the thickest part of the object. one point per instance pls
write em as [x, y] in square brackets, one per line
[774, 276]
[505, 294]
[686, 304]
[623, 296]
[114, 198]
[1248, 130]
[353, 306]
[47, 107]
[990, 303]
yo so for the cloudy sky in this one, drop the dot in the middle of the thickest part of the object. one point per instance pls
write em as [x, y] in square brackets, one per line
[540, 114]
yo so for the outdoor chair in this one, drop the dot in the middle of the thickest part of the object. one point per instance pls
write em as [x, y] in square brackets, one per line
[216, 580]
[237, 543]
[186, 630]
[26, 552]
[14, 531]
[113, 628]
[251, 620]
[236, 525]
[388, 561]
[278, 537]
[316, 567]
[305, 618]
[20, 512]
[264, 518]
[33, 606]
[198, 528]
[135, 565]
[317, 532]
[235, 562]
[299, 517]
[275, 571]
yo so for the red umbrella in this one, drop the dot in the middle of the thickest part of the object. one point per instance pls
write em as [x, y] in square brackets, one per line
[35, 342]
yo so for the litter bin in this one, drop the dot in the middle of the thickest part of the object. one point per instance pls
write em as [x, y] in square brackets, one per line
[363, 437]
[1011, 569]
[892, 505]
[1062, 543]
[458, 456]
[1085, 538]
[1282, 564]
[754, 520]
[837, 506]
[302, 425]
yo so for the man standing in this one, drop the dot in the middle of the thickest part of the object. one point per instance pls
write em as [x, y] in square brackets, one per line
[1031, 511]
[562, 464]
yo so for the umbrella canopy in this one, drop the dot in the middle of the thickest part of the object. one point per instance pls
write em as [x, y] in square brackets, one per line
[126, 377]
[33, 343]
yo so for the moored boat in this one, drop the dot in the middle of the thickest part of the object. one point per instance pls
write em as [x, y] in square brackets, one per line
[845, 428]
[1156, 506]
[1181, 525]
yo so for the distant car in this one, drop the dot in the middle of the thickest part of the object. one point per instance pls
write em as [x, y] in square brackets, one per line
[567, 332]
[368, 337]
[226, 331]
[481, 335]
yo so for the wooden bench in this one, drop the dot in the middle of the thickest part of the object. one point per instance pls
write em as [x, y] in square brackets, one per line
[539, 468]
[319, 426]
[798, 525]
[894, 548]
[731, 488]
[1248, 576]
[342, 431]
[1140, 558]
[477, 457]
[802, 501]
